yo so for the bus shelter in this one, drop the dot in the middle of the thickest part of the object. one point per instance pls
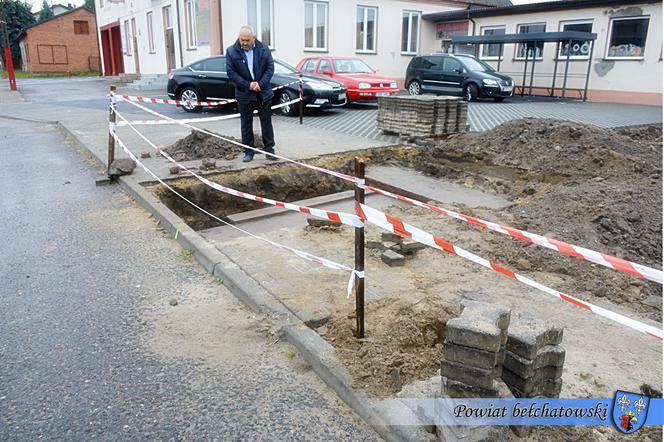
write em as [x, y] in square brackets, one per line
[531, 43]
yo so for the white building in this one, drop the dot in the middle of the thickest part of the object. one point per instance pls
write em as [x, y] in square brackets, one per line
[153, 36]
[626, 64]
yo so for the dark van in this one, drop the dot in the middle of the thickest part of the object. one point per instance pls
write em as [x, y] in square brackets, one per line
[462, 75]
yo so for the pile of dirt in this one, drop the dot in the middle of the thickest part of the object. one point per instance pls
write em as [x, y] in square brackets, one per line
[198, 145]
[559, 148]
[606, 194]
[402, 345]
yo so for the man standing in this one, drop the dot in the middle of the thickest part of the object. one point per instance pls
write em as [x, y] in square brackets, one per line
[250, 67]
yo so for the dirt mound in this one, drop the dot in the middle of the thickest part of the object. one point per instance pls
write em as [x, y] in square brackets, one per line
[198, 145]
[403, 337]
[559, 147]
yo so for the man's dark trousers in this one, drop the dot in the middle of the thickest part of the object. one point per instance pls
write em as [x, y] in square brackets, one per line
[247, 124]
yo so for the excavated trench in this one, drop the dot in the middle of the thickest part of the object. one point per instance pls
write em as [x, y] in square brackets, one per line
[289, 182]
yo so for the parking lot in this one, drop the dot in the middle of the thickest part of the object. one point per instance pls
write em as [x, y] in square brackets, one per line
[360, 119]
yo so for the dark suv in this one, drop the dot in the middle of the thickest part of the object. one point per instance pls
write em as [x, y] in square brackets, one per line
[462, 75]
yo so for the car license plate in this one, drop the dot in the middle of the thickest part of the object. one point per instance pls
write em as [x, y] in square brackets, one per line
[507, 88]
[382, 94]
[342, 96]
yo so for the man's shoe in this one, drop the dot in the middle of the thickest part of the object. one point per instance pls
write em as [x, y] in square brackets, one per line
[247, 157]
[270, 157]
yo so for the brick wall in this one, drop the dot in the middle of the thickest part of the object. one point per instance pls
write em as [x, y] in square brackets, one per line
[53, 46]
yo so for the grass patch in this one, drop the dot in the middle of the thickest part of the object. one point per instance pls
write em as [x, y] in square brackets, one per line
[22, 74]
[291, 353]
[186, 255]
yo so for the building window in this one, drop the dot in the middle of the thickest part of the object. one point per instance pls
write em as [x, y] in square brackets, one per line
[260, 18]
[410, 32]
[536, 49]
[166, 12]
[190, 23]
[365, 38]
[315, 26]
[627, 37]
[81, 27]
[579, 49]
[492, 51]
[150, 32]
[127, 38]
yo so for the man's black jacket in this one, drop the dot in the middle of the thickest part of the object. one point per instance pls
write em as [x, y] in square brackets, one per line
[238, 72]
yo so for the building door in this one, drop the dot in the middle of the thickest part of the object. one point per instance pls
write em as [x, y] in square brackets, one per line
[134, 43]
[169, 38]
[111, 49]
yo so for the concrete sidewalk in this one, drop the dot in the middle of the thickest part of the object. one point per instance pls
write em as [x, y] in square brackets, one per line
[87, 121]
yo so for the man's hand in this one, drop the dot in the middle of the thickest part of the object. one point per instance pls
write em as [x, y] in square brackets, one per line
[254, 87]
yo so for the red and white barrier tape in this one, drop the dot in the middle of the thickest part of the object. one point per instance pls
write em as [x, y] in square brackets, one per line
[139, 99]
[602, 259]
[401, 228]
[599, 258]
[305, 255]
[339, 217]
[339, 175]
[203, 119]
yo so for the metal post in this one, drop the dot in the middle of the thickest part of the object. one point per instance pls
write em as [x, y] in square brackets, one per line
[111, 127]
[590, 62]
[532, 71]
[301, 101]
[555, 69]
[525, 70]
[569, 49]
[359, 256]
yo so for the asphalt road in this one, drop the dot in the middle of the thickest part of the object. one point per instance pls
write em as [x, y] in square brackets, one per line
[90, 347]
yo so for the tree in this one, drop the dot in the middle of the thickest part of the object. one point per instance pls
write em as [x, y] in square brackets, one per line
[46, 12]
[17, 16]
[90, 4]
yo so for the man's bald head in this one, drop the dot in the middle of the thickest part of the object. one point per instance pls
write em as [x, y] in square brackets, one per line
[246, 37]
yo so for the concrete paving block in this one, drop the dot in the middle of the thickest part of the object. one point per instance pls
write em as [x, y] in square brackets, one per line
[473, 333]
[528, 335]
[391, 237]
[470, 356]
[468, 375]
[550, 355]
[456, 389]
[392, 258]
[545, 380]
[408, 245]
[499, 316]
[550, 389]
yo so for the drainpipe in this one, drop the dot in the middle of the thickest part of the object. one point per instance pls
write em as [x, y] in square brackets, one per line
[476, 46]
[177, 14]
[221, 27]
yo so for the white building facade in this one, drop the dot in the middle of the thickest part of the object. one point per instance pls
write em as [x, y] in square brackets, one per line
[626, 64]
[153, 36]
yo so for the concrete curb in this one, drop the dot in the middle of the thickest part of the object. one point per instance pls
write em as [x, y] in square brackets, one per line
[318, 352]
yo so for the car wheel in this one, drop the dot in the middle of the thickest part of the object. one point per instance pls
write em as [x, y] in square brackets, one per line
[414, 88]
[499, 99]
[288, 110]
[471, 92]
[190, 94]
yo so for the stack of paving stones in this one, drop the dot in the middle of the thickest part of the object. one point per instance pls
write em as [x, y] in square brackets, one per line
[534, 360]
[422, 115]
[395, 249]
[473, 354]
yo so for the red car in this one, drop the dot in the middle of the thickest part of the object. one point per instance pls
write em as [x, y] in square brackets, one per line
[361, 81]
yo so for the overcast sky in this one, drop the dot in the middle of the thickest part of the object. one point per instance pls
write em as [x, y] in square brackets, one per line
[36, 4]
